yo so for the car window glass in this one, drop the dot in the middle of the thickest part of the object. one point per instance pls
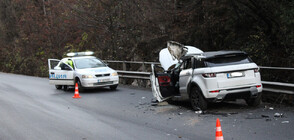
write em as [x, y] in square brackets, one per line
[199, 64]
[88, 63]
[228, 60]
[64, 66]
[187, 64]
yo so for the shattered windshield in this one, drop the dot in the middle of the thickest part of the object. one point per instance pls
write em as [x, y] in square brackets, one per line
[88, 63]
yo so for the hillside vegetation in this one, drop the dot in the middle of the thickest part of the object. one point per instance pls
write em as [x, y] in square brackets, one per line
[31, 31]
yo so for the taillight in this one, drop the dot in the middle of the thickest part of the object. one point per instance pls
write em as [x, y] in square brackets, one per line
[163, 80]
[214, 91]
[256, 70]
[209, 75]
[258, 86]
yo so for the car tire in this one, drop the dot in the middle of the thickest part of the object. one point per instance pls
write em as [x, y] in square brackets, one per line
[197, 100]
[254, 102]
[58, 86]
[81, 88]
[113, 87]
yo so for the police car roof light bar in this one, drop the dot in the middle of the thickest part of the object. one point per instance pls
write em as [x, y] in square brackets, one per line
[71, 54]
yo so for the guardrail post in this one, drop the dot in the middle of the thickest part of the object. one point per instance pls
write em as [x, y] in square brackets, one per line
[143, 67]
[124, 69]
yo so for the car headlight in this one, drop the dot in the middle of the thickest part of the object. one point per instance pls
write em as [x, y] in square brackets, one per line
[114, 74]
[87, 76]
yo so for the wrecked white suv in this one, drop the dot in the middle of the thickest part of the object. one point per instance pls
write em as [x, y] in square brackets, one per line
[203, 77]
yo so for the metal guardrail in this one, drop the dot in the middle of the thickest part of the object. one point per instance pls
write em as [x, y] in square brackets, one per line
[277, 87]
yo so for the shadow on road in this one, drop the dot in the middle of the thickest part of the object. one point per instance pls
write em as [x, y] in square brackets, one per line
[102, 90]
[232, 107]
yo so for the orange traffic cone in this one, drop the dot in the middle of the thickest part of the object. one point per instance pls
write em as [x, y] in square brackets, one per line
[218, 132]
[77, 95]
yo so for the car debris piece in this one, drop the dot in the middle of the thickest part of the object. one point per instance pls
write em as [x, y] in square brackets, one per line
[265, 116]
[218, 113]
[162, 104]
[198, 112]
[268, 120]
[285, 121]
[278, 115]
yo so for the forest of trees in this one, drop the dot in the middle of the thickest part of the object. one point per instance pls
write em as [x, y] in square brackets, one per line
[31, 31]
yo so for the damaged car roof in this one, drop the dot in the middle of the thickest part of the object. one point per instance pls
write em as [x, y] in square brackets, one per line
[215, 54]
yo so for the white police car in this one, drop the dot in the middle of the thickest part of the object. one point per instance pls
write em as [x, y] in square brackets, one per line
[84, 69]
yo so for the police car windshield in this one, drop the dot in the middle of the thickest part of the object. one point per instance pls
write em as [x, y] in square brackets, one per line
[88, 63]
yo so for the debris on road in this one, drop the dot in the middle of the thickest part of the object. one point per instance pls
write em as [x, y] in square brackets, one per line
[219, 113]
[154, 102]
[198, 112]
[180, 113]
[143, 98]
[265, 116]
[278, 115]
[268, 120]
[253, 117]
[285, 121]
[162, 104]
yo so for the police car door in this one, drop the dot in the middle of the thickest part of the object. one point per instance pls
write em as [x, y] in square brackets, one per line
[60, 73]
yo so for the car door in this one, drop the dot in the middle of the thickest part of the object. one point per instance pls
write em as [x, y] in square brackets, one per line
[60, 73]
[163, 84]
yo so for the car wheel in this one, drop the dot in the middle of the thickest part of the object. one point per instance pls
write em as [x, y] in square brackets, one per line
[81, 88]
[254, 102]
[113, 87]
[58, 86]
[65, 88]
[197, 100]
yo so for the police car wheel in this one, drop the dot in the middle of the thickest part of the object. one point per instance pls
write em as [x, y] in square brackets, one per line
[113, 87]
[81, 88]
[197, 100]
[65, 88]
[58, 86]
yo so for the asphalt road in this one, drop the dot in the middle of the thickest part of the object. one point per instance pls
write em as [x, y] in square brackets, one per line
[31, 109]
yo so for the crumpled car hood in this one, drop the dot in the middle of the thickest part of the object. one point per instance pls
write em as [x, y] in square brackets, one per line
[171, 55]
